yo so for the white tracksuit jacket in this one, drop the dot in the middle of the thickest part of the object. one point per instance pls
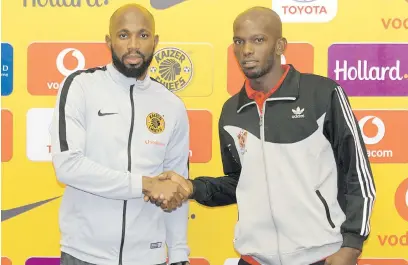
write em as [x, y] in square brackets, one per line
[107, 132]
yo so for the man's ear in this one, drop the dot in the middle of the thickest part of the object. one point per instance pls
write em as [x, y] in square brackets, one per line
[108, 41]
[156, 41]
[281, 46]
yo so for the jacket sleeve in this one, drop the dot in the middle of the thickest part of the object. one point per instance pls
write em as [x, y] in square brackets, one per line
[68, 140]
[356, 186]
[176, 159]
[220, 191]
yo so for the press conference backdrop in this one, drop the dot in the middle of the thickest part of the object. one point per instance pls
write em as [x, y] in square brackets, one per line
[363, 45]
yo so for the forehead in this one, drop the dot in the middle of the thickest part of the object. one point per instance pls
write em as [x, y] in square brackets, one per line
[132, 21]
[252, 26]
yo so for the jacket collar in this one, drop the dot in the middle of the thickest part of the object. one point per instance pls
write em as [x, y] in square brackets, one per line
[119, 78]
[289, 90]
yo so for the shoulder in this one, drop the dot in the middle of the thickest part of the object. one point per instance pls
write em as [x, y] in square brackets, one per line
[73, 87]
[84, 77]
[318, 82]
[320, 88]
[230, 106]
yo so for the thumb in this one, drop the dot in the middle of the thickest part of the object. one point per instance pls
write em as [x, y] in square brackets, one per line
[184, 191]
[184, 184]
[164, 176]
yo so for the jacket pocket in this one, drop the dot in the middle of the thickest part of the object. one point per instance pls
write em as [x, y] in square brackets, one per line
[326, 208]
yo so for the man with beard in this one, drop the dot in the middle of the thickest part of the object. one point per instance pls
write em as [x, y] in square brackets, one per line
[293, 156]
[113, 129]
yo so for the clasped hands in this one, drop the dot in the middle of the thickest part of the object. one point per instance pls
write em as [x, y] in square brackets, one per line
[168, 190]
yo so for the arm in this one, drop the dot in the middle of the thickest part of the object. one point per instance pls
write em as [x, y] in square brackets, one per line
[355, 181]
[176, 159]
[220, 191]
[68, 138]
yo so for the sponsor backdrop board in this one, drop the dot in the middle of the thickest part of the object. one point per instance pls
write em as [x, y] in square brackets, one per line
[360, 44]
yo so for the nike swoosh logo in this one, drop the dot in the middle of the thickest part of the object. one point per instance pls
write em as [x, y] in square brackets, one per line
[104, 114]
[7, 214]
[164, 4]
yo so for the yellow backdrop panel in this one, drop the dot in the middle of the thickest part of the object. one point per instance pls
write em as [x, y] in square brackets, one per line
[358, 43]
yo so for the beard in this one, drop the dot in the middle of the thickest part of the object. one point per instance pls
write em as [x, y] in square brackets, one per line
[257, 73]
[131, 71]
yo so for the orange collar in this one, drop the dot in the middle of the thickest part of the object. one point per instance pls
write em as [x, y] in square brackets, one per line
[254, 94]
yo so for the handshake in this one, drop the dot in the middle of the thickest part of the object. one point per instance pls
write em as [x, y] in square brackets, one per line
[167, 190]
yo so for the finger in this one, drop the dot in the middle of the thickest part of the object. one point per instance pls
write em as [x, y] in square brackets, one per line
[152, 199]
[168, 207]
[163, 206]
[178, 199]
[158, 203]
[171, 207]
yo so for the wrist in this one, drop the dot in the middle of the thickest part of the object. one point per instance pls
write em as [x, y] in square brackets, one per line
[353, 241]
[191, 187]
[352, 251]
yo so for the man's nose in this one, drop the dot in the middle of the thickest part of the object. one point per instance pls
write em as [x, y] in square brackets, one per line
[248, 49]
[134, 44]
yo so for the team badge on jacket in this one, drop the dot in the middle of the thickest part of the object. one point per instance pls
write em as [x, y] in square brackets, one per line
[155, 123]
[242, 137]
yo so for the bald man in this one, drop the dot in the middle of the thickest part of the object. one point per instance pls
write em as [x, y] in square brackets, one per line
[114, 128]
[293, 157]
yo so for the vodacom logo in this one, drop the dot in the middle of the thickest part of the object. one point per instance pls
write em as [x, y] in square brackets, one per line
[75, 53]
[401, 199]
[380, 129]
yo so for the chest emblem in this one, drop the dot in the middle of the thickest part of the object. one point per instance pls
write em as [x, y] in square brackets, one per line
[155, 123]
[298, 113]
[242, 138]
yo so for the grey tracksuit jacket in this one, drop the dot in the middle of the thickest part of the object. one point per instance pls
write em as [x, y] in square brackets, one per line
[107, 132]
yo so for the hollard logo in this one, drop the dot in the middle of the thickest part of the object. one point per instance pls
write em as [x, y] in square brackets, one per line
[370, 69]
[363, 70]
[65, 3]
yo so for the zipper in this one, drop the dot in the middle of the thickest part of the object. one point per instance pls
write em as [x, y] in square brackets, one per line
[262, 136]
[129, 169]
[326, 208]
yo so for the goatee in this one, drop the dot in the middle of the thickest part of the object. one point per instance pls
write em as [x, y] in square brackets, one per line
[132, 72]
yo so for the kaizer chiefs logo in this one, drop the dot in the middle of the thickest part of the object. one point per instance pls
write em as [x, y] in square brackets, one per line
[172, 67]
[155, 123]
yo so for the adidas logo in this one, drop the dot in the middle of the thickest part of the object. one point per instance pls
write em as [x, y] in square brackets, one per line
[298, 113]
